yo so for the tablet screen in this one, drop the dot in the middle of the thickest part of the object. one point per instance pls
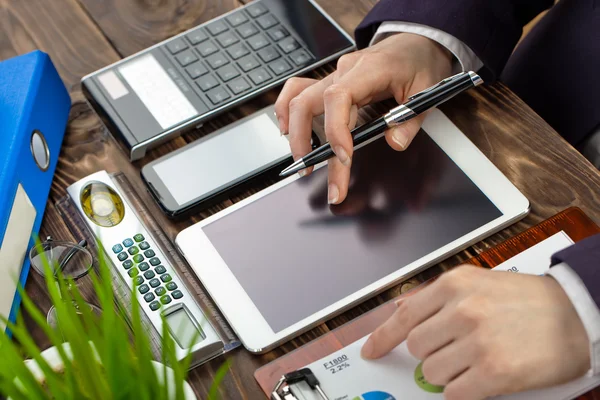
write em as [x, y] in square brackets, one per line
[294, 255]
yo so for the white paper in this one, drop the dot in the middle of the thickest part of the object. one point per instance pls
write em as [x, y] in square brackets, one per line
[344, 375]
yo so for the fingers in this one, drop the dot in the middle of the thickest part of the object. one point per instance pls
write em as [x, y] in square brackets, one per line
[449, 362]
[292, 88]
[472, 384]
[400, 137]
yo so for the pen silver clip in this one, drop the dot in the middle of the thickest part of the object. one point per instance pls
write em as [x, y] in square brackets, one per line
[440, 83]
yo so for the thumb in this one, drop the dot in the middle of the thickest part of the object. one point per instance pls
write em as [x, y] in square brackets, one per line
[400, 137]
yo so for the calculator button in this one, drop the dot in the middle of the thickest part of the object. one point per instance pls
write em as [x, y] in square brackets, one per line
[127, 264]
[143, 266]
[217, 60]
[218, 95]
[138, 258]
[256, 10]
[237, 18]
[227, 39]
[207, 82]
[176, 45]
[238, 86]
[247, 30]
[144, 246]
[155, 305]
[117, 248]
[154, 282]
[217, 27]
[138, 280]
[196, 70]
[259, 76]
[154, 261]
[258, 41]
[278, 33]
[288, 45]
[300, 57]
[133, 250]
[149, 297]
[280, 66]
[160, 291]
[139, 237]
[237, 51]
[166, 278]
[127, 242]
[171, 286]
[197, 36]
[177, 294]
[266, 21]
[144, 289]
[160, 269]
[149, 274]
[248, 63]
[186, 58]
[227, 73]
[122, 256]
[133, 272]
[165, 299]
[149, 253]
[207, 48]
[269, 54]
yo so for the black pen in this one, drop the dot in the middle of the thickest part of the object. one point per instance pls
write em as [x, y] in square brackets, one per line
[416, 104]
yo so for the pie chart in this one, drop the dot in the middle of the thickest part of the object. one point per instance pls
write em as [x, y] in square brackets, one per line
[375, 396]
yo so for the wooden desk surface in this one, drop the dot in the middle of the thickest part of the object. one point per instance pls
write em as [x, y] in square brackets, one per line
[82, 36]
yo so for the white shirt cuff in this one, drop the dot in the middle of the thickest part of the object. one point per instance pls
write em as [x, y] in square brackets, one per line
[465, 59]
[584, 305]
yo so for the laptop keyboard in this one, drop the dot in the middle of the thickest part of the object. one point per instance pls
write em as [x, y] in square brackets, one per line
[236, 54]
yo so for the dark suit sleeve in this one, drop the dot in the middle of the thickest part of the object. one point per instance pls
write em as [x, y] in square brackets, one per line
[584, 258]
[491, 28]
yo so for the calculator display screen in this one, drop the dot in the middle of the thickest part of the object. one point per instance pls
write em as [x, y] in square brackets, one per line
[183, 329]
[294, 255]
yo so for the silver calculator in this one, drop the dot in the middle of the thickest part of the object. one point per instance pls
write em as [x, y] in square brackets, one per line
[144, 268]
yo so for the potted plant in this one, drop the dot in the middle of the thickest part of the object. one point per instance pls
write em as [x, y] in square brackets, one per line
[94, 356]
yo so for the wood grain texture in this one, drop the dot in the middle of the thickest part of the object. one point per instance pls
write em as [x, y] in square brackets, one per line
[82, 36]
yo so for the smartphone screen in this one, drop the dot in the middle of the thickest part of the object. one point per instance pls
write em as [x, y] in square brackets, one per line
[218, 161]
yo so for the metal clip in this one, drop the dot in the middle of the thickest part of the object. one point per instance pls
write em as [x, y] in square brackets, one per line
[281, 392]
[440, 83]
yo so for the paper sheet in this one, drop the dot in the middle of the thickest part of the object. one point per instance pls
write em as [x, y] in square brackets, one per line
[344, 375]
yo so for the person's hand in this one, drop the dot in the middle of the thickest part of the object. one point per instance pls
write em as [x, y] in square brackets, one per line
[398, 66]
[485, 333]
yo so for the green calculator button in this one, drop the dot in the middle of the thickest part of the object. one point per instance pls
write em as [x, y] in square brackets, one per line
[149, 274]
[127, 264]
[144, 289]
[144, 245]
[166, 278]
[154, 261]
[143, 266]
[133, 250]
[160, 291]
[138, 280]
[154, 282]
[138, 238]
[148, 297]
[165, 299]
[133, 272]
[177, 294]
[122, 256]
[138, 258]
[160, 269]
[171, 286]
[155, 305]
[149, 253]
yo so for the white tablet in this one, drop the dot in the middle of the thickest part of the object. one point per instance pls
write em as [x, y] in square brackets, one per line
[282, 260]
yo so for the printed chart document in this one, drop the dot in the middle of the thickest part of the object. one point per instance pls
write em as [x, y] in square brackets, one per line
[344, 375]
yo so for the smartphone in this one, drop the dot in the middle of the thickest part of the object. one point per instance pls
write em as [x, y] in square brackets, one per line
[218, 165]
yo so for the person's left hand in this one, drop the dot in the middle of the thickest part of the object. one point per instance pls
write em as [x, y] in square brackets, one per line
[484, 333]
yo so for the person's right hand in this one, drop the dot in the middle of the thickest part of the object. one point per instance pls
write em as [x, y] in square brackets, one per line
[399, 66]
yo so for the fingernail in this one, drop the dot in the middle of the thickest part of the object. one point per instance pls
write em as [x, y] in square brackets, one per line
[367, 349]
[398, 302]
[302, 172]
[342, 155]
[281, 130]
[333, 194]
[399, 137]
